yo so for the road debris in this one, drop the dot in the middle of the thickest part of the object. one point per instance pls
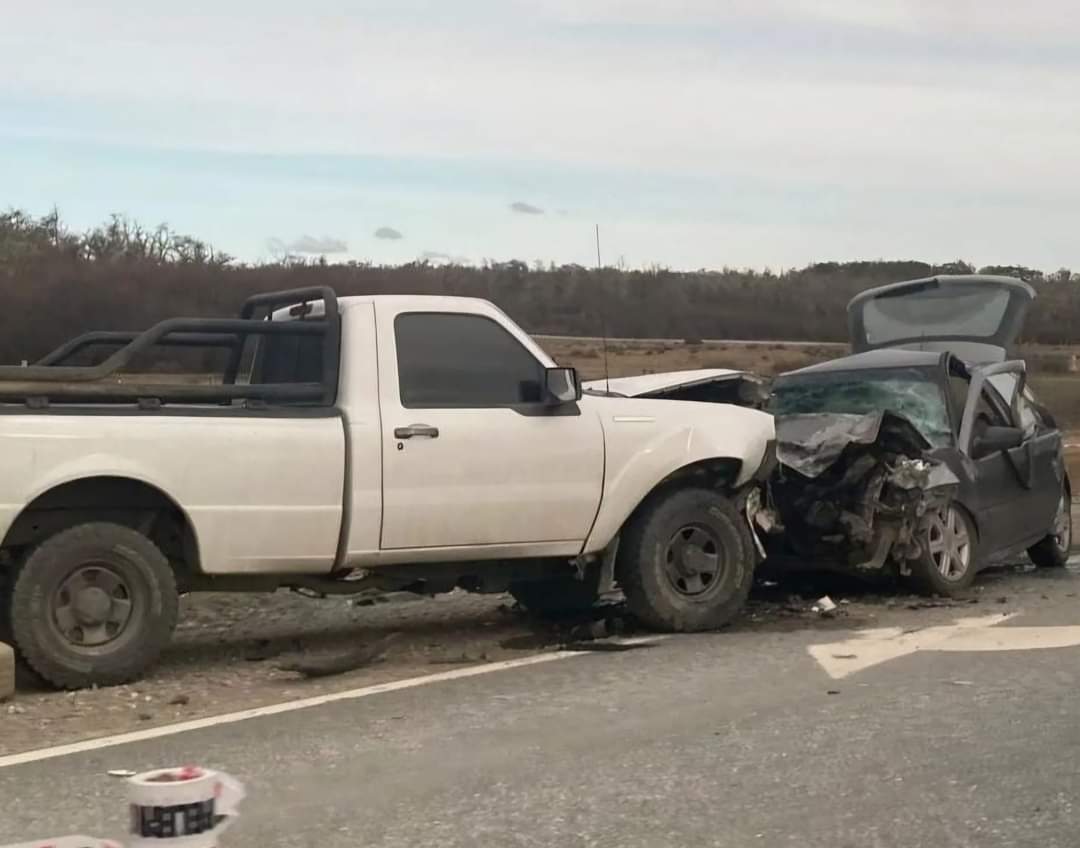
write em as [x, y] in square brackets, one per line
[261, 650]
[324, 666]
[121, 773]
[940, 603]
[463, 659]
[824, 606]
[600, 647]
[180, 700]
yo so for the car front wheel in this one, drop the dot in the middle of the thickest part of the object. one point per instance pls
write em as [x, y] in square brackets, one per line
[946, 566]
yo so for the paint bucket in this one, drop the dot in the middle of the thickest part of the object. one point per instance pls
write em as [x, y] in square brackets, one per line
[185, 807]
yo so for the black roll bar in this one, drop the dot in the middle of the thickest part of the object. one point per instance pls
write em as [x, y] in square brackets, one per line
[115, 338]
[48, 380]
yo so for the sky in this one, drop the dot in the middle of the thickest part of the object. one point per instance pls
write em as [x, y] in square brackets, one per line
[695, 133]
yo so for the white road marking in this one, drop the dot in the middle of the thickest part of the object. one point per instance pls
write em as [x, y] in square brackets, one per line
[290, 706]
[870, 647]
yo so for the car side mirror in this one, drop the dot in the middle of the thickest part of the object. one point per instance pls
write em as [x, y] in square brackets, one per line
[561, 385]
[991, 440]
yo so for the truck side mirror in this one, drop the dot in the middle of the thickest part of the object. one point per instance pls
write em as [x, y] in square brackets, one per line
[561, 385]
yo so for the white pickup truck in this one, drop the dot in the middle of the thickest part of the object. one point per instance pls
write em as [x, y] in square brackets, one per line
[388, 443]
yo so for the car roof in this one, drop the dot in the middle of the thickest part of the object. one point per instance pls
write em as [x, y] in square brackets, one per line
[888, 357]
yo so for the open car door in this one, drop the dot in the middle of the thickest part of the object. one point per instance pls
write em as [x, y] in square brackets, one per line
[1019, 473]
[974, 316]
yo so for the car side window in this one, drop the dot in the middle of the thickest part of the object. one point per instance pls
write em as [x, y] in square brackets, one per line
[958, 392]
[1030, 419]
[989, 411]
[450, 360]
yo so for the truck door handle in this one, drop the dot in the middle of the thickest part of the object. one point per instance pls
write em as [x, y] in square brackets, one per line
[416, 430]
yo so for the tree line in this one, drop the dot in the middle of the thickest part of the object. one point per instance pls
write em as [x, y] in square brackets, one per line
[56, 283]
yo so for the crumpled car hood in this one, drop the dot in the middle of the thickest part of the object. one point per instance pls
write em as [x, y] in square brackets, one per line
[644, 385]
[810, 444]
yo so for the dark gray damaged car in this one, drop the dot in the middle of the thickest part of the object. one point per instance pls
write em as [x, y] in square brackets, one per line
[923, 453]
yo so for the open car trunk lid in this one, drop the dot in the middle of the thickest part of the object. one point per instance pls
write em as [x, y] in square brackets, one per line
[974, 316]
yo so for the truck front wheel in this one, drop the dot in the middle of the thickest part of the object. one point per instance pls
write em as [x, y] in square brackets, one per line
[686, 561]
[93, 604]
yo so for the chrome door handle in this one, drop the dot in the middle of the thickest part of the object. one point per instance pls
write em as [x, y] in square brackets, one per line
[416, 430]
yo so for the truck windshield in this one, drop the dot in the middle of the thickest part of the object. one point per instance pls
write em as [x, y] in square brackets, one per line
[910, 392]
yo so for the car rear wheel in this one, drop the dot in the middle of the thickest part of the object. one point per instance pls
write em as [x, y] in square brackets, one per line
[1053, 550]
[93, 605]
[946, 565]
[686, 561]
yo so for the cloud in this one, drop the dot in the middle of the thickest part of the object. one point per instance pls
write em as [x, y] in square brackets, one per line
[388, 233]
[312, 244]
[523, 208]
[307, 244]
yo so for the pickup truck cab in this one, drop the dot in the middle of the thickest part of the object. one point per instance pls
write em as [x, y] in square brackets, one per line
[387, 443]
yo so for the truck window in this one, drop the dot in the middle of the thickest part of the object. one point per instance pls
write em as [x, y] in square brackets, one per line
[452, 360]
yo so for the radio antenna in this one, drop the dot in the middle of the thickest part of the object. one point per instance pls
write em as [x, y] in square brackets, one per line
[603, 320]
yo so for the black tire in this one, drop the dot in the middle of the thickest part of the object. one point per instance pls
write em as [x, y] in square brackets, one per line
[675, 540]
[67, 604]
[947, 561]
[1052, 551]
[557, 598]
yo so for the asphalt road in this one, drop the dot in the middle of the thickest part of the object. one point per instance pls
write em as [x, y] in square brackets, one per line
[725, 739]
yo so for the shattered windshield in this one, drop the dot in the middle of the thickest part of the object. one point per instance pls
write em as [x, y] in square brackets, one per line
[910, 392]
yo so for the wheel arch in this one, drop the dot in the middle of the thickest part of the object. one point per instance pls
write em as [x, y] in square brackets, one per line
[122, 499]
[718, 472]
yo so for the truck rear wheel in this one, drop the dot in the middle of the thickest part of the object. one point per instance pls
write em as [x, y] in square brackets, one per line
[93, 604]
[686, 561]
